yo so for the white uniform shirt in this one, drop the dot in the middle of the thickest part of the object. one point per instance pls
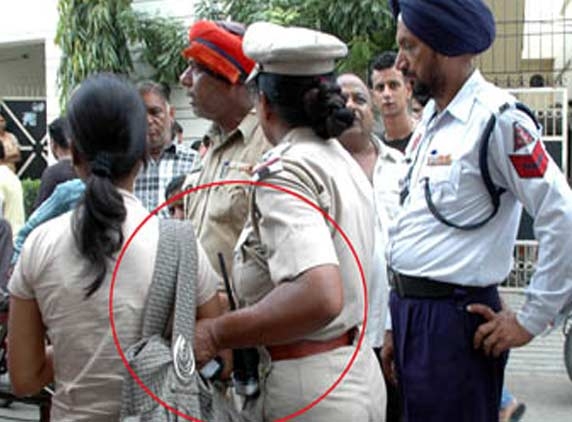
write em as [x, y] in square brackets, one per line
[389, 169]
[445, 148]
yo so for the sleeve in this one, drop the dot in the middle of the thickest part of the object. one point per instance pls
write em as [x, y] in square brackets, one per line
[296, 234]
[28, 268]
[55, 205]
[530, 174]
[207, 280]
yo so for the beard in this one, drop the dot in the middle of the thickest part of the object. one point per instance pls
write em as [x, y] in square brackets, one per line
[422, 90]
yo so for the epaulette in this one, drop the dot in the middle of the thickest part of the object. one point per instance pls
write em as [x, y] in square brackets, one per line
[270, 163]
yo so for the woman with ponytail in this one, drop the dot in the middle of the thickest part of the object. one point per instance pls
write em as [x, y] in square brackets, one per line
[60, 287]
[298, 282]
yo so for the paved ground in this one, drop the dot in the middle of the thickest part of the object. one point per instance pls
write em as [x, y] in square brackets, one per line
[536, 375]
[548, 397]
[19, 412]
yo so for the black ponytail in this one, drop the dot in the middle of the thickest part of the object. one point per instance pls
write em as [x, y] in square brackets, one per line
[106, 120]
[326, 108]
[314, 101]
[97, 226]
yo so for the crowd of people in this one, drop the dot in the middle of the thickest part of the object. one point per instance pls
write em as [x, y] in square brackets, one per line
[421, 171]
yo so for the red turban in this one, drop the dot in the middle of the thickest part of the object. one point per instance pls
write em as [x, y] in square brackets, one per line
[219, 49]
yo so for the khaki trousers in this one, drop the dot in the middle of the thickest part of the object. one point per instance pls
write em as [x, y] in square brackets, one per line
[291, 385]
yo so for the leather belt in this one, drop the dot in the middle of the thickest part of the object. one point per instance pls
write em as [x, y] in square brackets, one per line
[408, 286]
[305, 348]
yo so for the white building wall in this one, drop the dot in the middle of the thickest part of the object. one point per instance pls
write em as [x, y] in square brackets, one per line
[27, 22]
[22, 71]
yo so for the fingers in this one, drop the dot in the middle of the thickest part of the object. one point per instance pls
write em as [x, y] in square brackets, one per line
[508, 333]
[387, 359]
[493, 344]
[388, 368]
[393, 374]
[483, 332]
[203, 346]
[485, 311]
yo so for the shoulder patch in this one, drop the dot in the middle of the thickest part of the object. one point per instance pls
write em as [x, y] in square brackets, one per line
[532, 165]
[266, 168]
[270, 163]
[522, 137]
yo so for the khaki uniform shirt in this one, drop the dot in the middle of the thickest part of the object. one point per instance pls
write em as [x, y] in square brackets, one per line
[293, 237]
[219, 213]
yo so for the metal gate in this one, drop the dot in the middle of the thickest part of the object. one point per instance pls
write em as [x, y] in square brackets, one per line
[26, 119]
[550, 105]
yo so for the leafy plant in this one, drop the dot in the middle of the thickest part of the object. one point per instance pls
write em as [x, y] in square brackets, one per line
[160, 41]
[365, 25]
[91, 40]
[31, 187]
[108, 35]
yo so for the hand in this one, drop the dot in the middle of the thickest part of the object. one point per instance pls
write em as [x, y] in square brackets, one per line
[387, 358]
[204, 345]
[224, 302]
[226, 356]
[501, 332]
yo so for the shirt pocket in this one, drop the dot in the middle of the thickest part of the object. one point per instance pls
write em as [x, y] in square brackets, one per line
[229, 202]
[443, 181]
[251, 275]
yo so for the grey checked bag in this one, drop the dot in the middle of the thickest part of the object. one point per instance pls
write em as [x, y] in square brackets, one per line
[167, 367]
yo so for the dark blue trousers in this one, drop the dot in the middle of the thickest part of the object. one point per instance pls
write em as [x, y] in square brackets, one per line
[441, 377]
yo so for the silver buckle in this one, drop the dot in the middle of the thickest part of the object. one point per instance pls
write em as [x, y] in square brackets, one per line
[184, 360]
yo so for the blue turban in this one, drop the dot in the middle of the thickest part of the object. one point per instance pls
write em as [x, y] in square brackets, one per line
[450, 27]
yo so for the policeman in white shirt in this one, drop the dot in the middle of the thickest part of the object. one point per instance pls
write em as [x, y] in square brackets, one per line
[475, 157]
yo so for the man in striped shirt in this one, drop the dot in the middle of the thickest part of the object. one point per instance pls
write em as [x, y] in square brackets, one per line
[166, 159]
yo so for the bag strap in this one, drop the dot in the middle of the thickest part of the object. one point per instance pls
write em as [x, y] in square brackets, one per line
[174, 283]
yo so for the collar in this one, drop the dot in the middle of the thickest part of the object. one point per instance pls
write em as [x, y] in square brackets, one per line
[172, 147]
[127, 195]
[460, 107]
[298, 134]
[248, 125]
[385, 152]
[244, 131]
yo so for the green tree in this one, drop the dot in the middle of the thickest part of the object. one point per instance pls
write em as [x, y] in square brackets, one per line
[105, 35]
[160, 40]
[367, 26]
[91, 40]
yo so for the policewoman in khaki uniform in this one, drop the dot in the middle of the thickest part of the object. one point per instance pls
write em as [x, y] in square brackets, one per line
[297, 281]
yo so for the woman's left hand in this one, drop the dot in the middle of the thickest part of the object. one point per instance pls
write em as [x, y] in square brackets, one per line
[205, 344]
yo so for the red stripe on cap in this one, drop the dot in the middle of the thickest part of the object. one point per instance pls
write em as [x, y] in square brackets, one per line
[224, 40]
[531, 165]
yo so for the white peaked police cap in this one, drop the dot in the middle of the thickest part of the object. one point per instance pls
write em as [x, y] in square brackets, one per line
[291, 50]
